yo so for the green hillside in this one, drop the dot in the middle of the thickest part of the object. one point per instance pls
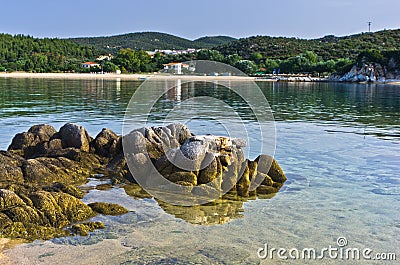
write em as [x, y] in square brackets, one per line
[209, 42]
[25, 53]
[328, 47]
[150, 41]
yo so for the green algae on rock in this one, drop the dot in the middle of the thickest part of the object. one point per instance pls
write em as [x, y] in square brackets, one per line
[108, 208]
[83, 229]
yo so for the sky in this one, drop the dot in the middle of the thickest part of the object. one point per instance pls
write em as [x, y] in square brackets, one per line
[193, 19]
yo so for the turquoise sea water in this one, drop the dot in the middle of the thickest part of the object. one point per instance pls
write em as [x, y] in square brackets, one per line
[339, 145]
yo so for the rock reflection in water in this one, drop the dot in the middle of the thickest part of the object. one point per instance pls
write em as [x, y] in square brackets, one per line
[220, 211]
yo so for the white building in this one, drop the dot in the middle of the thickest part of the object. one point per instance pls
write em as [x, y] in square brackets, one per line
[90, 65]
[175, 68]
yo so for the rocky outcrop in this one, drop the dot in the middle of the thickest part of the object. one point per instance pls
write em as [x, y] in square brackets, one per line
[368, 73]
[42, 169]
[204, 164]
[39, 214]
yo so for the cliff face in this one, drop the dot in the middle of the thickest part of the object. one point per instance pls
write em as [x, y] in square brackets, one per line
[372, 72]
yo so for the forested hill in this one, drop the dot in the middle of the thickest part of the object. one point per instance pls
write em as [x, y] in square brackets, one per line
[41, 55]
[150, 41]
[328, 47]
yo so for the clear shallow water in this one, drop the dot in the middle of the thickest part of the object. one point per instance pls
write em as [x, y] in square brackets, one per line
[338, 144]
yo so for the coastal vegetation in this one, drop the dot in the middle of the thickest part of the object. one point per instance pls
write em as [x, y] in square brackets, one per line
[25, 53]
[254, 55]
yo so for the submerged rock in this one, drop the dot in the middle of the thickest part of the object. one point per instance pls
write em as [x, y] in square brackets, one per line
[83, 229]
[108, 208]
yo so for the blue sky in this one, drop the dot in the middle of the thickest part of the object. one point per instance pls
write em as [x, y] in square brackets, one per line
[193, 19]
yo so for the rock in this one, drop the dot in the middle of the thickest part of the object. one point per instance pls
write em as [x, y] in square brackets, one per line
[69, 189]
[10, 171]
[264, 190]
[73, 135]
[189, 178]
[180, 132]
[26, 215]
[218, 212]
[373, 72]
[267, 181]
[134, 143]
[243, 185]
[164, 165]
[40, 174]
[59, 209]
[108, 208]
[32, 143]
[4, 221]
[136, 191]
[211, 171]
[22, 141]
[44, 132]
[36, 172]
[70, 153]
[9, 199]
[107, 143]
[117, 167]
[73, 208]
[84, 228]
[46, 170]
[269, 166]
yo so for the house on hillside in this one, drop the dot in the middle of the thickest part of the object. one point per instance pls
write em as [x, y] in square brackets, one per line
[175, 68]
[108, 57]
[89, 65]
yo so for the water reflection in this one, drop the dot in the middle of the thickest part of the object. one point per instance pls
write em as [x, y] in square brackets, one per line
[220, 211]
[102, 103]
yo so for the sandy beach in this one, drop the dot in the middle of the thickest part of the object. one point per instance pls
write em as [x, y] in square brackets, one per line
[120, 76]
[6, 245]
[142, 77]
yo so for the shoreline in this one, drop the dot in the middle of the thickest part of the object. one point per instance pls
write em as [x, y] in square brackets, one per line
[133, 77]
[143, 77]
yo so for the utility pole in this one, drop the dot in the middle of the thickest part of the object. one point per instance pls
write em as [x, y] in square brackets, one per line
[369, 26]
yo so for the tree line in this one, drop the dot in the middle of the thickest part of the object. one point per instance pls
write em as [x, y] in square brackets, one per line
[25, 53]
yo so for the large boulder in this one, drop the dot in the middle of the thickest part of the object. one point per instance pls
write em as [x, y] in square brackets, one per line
[107, 143]
[31, 143]
[74, 135]
[43, 132]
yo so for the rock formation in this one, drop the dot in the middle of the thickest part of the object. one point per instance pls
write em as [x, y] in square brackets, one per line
[42, 169]
[368, 73]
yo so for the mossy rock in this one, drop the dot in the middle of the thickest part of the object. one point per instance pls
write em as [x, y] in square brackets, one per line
[31, 232]
[84, 228]
[210, 172]
[108, 208]
[4, 221]
[183, 176]
[264, 190]
[243, 185]
[69, 189]
[134, 190]
[9, 199]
